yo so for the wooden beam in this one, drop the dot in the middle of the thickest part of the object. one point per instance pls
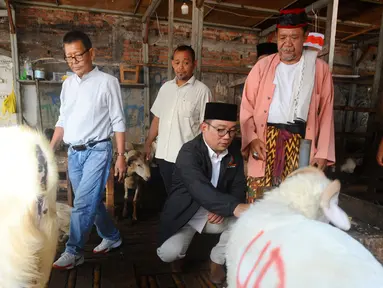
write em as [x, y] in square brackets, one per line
[199, 3]
[374, 27]
[10, 18]
[211, 10]
[197, 33]
[170, 38]
[138, 4]
[151, 9]
[211, 24]
[239, 6]
[333, 33]
[371, 41]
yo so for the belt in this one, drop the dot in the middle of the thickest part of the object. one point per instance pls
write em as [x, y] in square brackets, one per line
[90, 144]
[296, 128]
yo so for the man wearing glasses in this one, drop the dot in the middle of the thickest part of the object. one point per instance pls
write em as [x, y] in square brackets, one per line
[208, 190]
[91, 111]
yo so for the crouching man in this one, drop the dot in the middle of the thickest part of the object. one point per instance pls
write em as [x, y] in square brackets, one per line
[208, 190]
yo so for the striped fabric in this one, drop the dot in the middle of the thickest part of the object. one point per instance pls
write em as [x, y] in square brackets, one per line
[257, 186]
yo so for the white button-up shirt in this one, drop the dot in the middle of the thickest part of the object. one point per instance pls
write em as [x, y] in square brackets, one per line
[199, 219]
[180, 110]
[91, 108]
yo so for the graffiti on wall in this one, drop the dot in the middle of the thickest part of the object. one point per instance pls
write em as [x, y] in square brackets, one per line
[50, 108]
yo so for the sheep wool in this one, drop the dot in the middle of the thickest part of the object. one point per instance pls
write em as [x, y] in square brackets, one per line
[28, 179]
[285, 241]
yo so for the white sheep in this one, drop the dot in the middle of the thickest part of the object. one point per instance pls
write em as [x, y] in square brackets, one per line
[28, 224]
[64, 212]
[285, 241]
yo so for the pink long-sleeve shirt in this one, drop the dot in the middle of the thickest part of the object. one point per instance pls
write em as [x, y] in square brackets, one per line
[256, 99]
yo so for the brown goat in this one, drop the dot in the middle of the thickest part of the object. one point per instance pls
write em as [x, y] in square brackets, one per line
[138, 169]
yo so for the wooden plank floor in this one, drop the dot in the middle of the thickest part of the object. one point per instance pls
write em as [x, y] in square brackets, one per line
[136, 264]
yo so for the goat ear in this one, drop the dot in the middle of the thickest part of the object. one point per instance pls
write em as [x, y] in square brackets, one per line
[131, 160]
[329, 205]
[305, 170]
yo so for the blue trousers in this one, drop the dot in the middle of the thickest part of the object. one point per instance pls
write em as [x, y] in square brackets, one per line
[88, 172]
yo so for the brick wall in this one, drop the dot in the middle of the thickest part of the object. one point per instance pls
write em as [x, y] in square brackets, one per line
[4, 34]
[118, 38]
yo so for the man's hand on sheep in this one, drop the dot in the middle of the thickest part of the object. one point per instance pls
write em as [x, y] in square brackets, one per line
[379, 155]
[240, 209]
[320, 163]
[214, 218]
[258, 149]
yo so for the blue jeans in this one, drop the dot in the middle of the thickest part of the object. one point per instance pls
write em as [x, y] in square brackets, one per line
[88, 172]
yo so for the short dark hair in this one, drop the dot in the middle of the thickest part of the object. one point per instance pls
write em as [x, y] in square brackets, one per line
[75, 35]
[185, 48]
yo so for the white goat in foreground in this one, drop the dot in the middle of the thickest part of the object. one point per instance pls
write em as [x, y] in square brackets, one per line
[284, 240]
[28, 179]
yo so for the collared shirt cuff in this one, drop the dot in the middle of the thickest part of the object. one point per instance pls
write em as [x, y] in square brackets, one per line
[59, 124]
[119, 127]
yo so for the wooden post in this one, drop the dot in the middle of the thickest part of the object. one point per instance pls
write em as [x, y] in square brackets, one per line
[334, 22]
[378, 69]
[145, 56]
[170, 38]
[373, 119]
[328, 28]
[197, 30]
[39, 116]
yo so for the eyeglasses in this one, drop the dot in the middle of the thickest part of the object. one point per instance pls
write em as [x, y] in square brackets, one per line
[78, 58]
[223, 132]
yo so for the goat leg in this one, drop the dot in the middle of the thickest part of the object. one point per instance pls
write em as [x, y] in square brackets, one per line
[135, 203]
[125, 211]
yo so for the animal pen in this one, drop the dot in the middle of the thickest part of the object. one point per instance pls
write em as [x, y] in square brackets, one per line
[353, 48]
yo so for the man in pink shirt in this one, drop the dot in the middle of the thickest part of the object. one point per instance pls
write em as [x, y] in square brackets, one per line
[287, 96]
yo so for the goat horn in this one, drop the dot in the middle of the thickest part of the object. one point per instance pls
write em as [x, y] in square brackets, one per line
[329, 192]
[309, 169]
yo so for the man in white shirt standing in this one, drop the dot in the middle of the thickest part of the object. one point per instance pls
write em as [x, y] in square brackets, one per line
[178, 111]
[91, 111]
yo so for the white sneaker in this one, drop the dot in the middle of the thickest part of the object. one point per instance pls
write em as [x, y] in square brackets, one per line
[68, 261]
[107, 245]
